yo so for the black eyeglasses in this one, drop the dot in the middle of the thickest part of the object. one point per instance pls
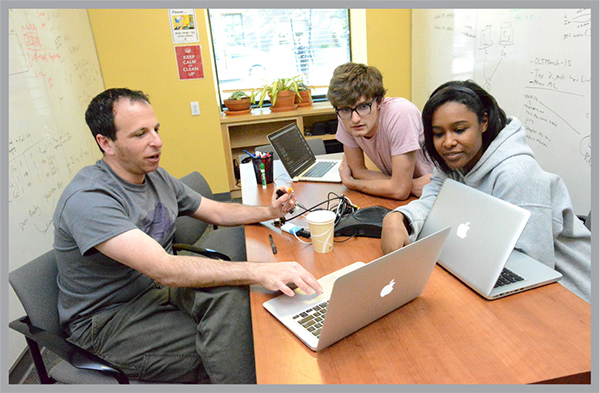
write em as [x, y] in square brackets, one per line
[363, 110]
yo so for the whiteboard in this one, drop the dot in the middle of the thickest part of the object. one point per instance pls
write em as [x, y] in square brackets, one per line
[53, 75]
[536, 63]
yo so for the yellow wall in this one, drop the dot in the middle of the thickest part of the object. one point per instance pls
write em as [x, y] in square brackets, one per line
[389, 48]
[135, 49]
[358, 35]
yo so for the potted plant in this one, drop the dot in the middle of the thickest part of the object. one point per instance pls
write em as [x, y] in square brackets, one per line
[304, 98]
[281, 92]
[238, 101]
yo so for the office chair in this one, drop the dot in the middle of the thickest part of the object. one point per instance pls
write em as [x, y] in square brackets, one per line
[317, 145]
[36, 287]
[587, 220]
[227, 243]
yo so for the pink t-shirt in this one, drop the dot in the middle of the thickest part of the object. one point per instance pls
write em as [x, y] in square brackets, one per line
[400, 131]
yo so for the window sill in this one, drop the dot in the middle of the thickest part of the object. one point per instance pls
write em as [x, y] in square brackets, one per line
[316, 108]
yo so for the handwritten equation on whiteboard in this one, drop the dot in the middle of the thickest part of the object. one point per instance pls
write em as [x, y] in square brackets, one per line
[557, 98]
[537, 63]
[543, 79]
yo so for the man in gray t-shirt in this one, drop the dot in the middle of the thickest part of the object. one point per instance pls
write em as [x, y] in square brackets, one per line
[122, 293]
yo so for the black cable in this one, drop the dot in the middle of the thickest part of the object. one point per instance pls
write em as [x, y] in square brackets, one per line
[345, 240]
[342, 208]
[313, 208]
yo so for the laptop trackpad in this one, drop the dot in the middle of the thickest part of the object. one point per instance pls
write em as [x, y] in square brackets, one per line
[289, 306]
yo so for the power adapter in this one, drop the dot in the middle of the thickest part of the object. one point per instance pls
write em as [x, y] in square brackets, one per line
[295, 229]
[290, 228]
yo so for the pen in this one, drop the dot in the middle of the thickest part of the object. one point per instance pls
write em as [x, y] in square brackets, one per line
[280, 193]
[250, 154]
[273, 245]
[290, 192]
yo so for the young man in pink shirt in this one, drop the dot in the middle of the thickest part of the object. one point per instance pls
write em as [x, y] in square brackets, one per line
[388, 130]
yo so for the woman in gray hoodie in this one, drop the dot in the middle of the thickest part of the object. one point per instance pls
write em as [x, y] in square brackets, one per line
[471, 140]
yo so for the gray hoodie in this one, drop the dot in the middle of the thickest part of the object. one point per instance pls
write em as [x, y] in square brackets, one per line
[508, 170]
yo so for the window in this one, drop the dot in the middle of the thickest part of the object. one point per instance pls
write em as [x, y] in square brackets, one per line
[255, 46]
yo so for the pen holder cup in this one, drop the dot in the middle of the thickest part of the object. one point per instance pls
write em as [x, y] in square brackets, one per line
[268, 162]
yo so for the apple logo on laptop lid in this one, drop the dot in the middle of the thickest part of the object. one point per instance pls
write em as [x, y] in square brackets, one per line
[388, 288]
[462, 230]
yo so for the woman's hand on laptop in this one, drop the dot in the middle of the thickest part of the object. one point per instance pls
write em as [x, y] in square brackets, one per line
[394, 234]
[276, 276]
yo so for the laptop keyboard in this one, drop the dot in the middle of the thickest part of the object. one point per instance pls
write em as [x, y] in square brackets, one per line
[507, 277]
[312, 319]
[320, 169]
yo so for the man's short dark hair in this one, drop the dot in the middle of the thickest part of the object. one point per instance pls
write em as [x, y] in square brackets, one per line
[100, 115]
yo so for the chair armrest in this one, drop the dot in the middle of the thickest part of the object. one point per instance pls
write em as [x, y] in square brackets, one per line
[202, 251]
[71, 353]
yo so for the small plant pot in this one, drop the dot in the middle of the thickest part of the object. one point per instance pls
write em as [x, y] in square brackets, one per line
[238, 105]
[284, 102]
[306, 100]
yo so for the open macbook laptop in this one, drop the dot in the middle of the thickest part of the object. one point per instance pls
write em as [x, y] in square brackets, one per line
[480, 250]
[358, 294]
[299, 160]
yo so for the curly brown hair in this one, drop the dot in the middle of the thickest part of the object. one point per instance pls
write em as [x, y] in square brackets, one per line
[351, 82]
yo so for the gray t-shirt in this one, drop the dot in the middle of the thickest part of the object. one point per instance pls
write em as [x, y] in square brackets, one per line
[96, 206]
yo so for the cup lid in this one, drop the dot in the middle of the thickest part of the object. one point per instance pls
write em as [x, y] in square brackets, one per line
[320, 217]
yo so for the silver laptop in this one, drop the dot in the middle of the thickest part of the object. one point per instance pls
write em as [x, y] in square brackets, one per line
[480, 250]
[299, 160]
[358, 294]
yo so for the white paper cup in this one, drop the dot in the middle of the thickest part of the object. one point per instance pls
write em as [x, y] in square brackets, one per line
[321, 223]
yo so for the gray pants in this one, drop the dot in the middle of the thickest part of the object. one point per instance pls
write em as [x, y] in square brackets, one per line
[177, 335]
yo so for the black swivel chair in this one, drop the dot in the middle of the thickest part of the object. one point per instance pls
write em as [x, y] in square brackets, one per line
[227, 243]
[587, 220]
[36, 288]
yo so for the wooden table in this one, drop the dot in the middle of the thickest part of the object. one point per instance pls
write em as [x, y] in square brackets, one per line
[448, 335]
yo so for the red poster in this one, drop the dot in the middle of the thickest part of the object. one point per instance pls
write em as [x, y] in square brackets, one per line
[189, 62]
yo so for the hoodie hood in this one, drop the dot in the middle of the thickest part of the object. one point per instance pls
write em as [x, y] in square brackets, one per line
[510, 142]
